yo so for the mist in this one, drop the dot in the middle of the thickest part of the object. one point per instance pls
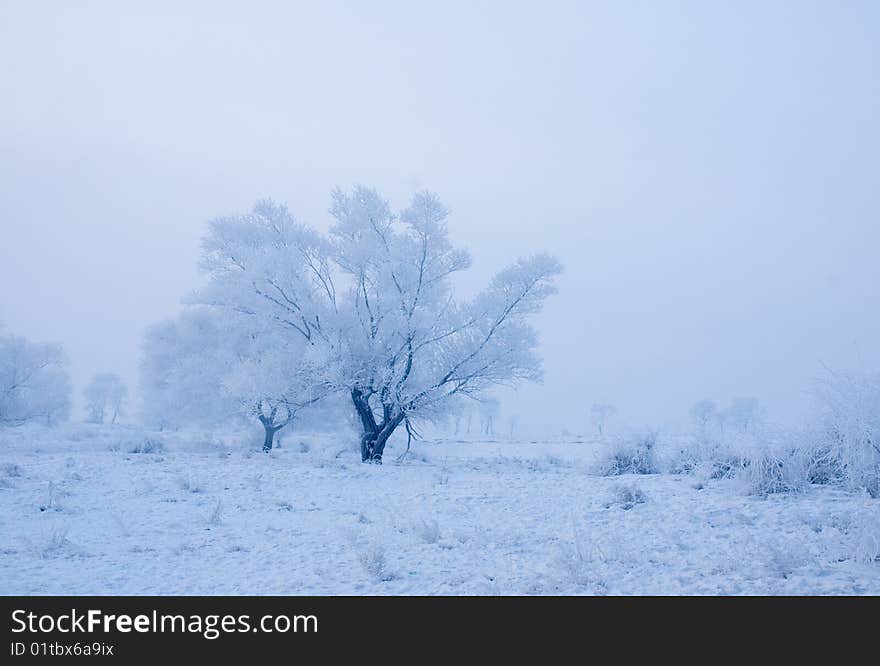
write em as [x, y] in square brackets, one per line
[706, 172]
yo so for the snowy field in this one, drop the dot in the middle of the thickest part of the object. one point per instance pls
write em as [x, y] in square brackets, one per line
[92, 510]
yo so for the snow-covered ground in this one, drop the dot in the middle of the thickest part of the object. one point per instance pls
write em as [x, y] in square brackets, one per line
[80, 513]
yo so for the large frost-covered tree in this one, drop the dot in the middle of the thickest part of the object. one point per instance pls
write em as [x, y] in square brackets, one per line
[105, 397]
[34, 382]
[376, 296]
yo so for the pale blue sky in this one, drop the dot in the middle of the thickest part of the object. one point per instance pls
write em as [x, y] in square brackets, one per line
[707, 171]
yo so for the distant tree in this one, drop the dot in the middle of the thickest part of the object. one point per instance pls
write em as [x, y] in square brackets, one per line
[600, 414]
[105, 397]
[512, 422]
[743, 413]
[702, 413]
[489, 408]
[181, 372]
[34, 382]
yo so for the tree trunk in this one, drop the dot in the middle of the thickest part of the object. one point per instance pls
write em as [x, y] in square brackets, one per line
[384, 435]
[270, 436]
[379, 445]
[368, 443]
[368, 423]
[375, 435]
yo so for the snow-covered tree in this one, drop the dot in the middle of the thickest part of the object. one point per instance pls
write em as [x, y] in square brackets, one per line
[743, 414]
[209, 366]
[703, 413]
[512, 421]
[600, 414]
[34, 382]
[488, 408]
[377, 297]
[105, 397]
[182, 365]
[275, 377]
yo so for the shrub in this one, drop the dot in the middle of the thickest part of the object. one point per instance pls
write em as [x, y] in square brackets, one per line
[865, 531]
[147, 445]
[372, 558]
[631, 456]
[626, 497]
[55, 542]
[849, 430]
[714, 456]
[726, 465]
[769, 473]
[823, 465]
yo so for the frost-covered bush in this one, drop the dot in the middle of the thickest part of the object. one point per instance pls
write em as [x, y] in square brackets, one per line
[636, 455]
[865, 530]
[769, 473]
[849, 432]
[712, 459]
[591, 562]
[823, 464]
[626, 496]
[372, 558]
[684, 460]
[55, 542]
[726, 466]
[147, 445]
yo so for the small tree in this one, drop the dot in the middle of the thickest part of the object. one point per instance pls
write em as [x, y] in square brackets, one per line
[105, 397]
[274, 379]
[34, 382]
[600, 414]
[209, 366]
[703, 413]
[743, 414]
[183, 363]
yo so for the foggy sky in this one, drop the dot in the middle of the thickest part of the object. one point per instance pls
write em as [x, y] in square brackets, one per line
[707, 172]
